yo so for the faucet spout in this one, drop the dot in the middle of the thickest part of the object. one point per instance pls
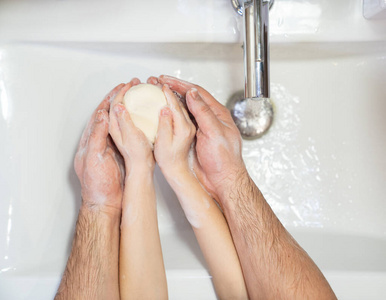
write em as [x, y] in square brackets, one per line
[256, 48]
[253, 111]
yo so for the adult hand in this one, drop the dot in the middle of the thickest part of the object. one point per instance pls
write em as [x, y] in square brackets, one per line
[218, 161]
[131, 141]
[98, 164]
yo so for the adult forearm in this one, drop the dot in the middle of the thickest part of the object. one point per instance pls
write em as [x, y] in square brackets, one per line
[92, 268]
[274, 265]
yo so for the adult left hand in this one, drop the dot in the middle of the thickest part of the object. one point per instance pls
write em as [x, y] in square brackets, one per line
[98, 164]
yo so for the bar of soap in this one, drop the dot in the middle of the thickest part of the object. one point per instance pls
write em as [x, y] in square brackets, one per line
[144, 102]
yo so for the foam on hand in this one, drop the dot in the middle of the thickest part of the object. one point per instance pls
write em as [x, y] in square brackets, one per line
[144, 102]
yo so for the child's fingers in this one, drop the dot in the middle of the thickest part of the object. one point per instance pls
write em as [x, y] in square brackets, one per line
[179, 119]
[165, 127]
[114, 128]
[185, 112]
[135, 81]
[119, 96]
[126, 125]
[171, 99]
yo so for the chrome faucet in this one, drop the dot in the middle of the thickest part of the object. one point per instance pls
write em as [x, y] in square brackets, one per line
[374, 9]
[253, 114]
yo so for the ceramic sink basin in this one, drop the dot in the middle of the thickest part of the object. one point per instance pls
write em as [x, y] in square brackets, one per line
[321, 166]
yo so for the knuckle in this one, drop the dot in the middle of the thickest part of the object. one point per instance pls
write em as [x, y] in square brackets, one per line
[199, 134]
[236, 133]
[227, 114]
[185, 134]
[90, 159]
[93, 135]
[212, 133]
[189, 132]
[77, 167]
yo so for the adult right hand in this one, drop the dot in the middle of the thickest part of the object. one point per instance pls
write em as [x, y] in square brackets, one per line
[257, 233]
[218, 164]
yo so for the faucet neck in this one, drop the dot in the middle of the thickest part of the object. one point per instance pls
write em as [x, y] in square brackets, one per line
[256, 48]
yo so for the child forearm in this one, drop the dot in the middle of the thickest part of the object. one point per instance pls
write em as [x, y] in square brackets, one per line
[175, 137]
[213, 236]
[141, 268]
[142, 272]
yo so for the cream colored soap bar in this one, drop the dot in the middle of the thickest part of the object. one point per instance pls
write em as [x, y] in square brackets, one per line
[144, 102]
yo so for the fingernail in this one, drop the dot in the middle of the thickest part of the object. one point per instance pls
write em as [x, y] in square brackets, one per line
[153, 79]
[118, 109]
[112, 96]
[194, 93]
[99, 116]
[168, 95]
[135, 81]
[165, 111]
[175, 79]
[167, 76]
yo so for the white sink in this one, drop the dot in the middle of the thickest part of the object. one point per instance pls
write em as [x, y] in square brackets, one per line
[321, 166]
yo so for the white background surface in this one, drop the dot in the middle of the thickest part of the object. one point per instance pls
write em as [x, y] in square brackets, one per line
[321, 166]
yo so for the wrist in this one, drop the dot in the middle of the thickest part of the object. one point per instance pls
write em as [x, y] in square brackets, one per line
[238, 186]
[173, 170]
[103, 213]
[179, 177]
[140, 169]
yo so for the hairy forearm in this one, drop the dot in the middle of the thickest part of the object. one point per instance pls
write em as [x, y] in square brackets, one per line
[92, 268]
[142, 273]
[212, 234]
[274, 265]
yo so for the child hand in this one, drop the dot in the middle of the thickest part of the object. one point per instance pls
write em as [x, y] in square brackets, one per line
[175, 136]
[130, 141]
